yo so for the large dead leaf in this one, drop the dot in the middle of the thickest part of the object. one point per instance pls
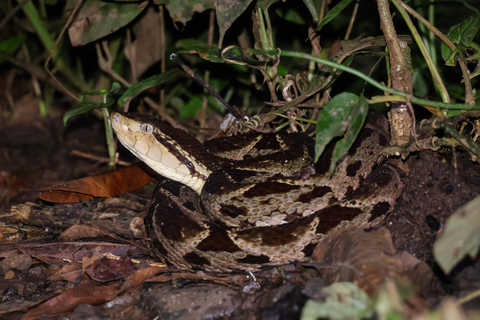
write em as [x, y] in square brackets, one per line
[182, 11]
[58, 253]
[146, 50]
[461, 236]
[110, 184]
[97, 19]
[106, 269]
[72, 272]
[85, 293]
[138, 277]
[369, 259]
[10, 186]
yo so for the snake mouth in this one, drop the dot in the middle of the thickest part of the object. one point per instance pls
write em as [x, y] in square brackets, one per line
[157, 145]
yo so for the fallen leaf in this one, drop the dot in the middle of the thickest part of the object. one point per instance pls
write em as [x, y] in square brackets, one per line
[72, 272]
[369, 260]
[138, 277]
[58, 253]
[110, 184]
[81, 231]
[10, 187]
[460, 238]
[353, 255]
[107, 269]
[85, 293]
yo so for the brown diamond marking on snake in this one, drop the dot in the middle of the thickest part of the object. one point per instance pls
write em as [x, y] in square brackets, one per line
[269, 187]
[251, 259]
[332, 216]
[159, 247]
[352, 168]
[233, 211]
[268, 141]
[278, 235]
[373, 184]
[378, 210]
[195, 259]
[218, 241]
[364, 134]
[383, 141]
[176, 227]
[317, 192]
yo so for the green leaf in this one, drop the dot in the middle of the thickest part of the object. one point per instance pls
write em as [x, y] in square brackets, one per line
[97, 19]
[312, 9]
[290, 15]
[265, 4]
[213, 54]
[343, 300]
[472, 55]
[333, 13]
[343, 115]
[86, 105]
[11, 45]
[227, 12]
[141, 86]
[115, 87]
[462, 36]
[191, 108]
[461, 236]
[420, 86]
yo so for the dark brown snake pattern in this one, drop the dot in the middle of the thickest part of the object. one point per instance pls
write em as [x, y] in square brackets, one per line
[259, 200]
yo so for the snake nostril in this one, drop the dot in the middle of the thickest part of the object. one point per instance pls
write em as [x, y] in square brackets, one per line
[116, 118]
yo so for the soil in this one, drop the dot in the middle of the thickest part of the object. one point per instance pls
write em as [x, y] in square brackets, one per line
[40, 153]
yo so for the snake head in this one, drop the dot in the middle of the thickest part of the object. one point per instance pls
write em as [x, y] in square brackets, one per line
[171, 152]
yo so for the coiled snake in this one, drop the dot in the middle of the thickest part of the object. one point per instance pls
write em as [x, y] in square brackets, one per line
[246, 201]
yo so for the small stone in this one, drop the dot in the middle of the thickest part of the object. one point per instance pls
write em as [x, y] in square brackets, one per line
[9, 275]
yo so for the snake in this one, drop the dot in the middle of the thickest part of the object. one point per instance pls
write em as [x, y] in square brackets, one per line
[248, 201]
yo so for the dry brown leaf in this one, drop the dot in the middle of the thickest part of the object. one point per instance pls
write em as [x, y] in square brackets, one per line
[85, 293]
[146, 49]
[367, 259]
[421, 276]
[107, 269]
[81, 231]
[138, 277]
[72, 272]
[10, 186]
[110, 184]
[58, 253]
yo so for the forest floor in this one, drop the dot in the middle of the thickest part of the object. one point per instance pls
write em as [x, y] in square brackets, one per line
[42, 275]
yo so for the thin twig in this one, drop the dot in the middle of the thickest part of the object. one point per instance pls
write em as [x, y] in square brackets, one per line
[232, 109]
[12, 13]
[97, 158]
[352, 20]
[106, 64]
[406, 96]
[69, 22]
[469, 98]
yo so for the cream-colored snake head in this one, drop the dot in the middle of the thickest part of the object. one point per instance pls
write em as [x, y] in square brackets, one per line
[171, 152]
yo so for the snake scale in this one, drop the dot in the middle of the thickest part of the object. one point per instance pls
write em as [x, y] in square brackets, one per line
[246, 201]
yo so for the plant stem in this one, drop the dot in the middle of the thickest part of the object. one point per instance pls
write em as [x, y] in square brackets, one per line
[423, 49]
[469, 97]
[110, 137]
[405, 96]
[49, 45]
[37, 22]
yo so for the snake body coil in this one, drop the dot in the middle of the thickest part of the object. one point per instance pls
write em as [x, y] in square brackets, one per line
[246, 201]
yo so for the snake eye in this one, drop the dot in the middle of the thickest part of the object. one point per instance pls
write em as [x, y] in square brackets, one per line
[146, 128]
